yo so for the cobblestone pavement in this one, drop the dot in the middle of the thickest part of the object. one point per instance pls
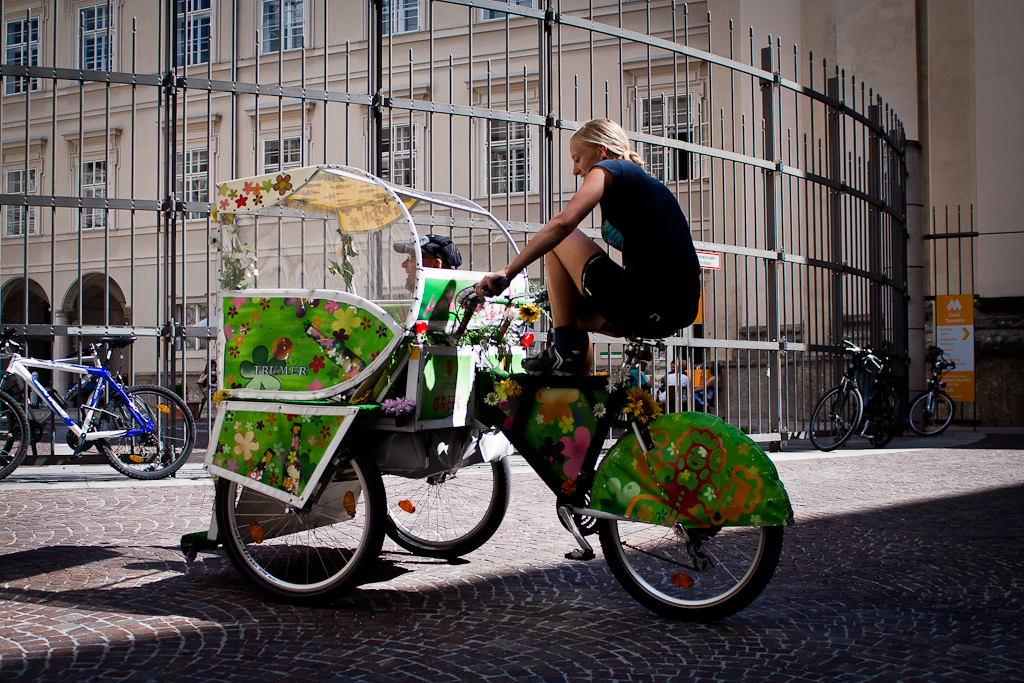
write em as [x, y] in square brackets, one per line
[904, 565]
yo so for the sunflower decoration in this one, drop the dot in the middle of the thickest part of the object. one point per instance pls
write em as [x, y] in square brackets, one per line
[511, 388]
[219, 396]
[529, 312]
[641, 405]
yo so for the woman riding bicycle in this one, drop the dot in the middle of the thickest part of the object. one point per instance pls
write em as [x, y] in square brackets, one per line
[652, 295]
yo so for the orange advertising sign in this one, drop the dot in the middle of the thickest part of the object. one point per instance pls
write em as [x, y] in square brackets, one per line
[954, 334]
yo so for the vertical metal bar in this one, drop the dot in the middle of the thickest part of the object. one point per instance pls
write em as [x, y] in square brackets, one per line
[769, 102]
[375, 73]
[835, 256]
[877, 319]
[545, 85]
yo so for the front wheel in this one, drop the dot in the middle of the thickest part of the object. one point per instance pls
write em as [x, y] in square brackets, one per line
[835, 417]
[931, 413]
[450, 514]
[159, 453]
[310, 555]
[14, 435]
[699, 575]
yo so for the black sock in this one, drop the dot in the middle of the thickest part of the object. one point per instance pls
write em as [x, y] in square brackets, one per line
[566, 340]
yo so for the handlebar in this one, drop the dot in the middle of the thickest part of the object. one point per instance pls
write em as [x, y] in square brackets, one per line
[502, 286]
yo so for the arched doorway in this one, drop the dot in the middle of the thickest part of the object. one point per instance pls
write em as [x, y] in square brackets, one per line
[102, 303]
[13, 311]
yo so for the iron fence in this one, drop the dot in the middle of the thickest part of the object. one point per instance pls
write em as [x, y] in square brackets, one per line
[118, 119]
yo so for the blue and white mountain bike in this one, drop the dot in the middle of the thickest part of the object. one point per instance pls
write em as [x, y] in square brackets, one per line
[146, 432]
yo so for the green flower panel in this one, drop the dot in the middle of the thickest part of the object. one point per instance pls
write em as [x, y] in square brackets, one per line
[283, 344]
[701, 472]
[276, 449]
[559, 425]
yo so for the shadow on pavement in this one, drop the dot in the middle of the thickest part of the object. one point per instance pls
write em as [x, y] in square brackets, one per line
[47, 559]
[934, 586]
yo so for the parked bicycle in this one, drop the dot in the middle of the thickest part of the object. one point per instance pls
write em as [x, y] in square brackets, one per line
[868, 401]
[146, 432]
[932, 411]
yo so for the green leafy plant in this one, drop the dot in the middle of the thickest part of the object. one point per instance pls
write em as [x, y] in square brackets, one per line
[343, 267]
[238, 264]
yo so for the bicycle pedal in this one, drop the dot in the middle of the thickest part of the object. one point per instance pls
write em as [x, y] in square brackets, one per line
[580, 554]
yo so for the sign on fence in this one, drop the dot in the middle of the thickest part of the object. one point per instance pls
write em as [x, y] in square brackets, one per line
[954, 334]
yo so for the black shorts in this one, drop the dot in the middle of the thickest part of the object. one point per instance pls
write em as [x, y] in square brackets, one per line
[631, 313]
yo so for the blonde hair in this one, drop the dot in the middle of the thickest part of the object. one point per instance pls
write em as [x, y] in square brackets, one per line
[609, 134]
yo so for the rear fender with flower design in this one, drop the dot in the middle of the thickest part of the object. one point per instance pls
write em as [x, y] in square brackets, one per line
[701, 472]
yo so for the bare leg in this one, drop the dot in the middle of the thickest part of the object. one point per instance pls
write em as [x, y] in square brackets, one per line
[564, 269]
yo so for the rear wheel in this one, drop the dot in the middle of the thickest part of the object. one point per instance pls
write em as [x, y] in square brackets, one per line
[309, 555]
[155, 455]
[449, 514]
[14, 435]
[931, 413]
[835, 417]
[691, 574]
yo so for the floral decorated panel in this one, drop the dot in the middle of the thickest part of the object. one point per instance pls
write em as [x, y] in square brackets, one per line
[559, 423]
[272, 449]
[702, 472]
[279, 344]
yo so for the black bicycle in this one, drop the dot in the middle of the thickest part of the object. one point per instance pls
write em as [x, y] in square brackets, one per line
[932, 411]
[867, 401]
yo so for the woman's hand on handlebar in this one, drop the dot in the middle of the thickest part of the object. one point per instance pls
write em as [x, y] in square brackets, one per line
[492, 284]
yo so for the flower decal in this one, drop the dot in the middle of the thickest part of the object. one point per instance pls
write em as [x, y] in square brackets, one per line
[283, 184]
[346, 318]
[575, 449]
[566, 424]
[245, 444]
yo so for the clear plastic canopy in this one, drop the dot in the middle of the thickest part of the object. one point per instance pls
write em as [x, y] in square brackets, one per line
[340, 228]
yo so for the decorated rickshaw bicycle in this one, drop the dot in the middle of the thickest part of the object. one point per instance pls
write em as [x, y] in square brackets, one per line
[354, 370]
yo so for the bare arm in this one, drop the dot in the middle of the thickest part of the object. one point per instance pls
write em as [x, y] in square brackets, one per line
[555, 230]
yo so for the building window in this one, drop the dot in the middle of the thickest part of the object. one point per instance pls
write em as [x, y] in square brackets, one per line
[94, 38]
[194, 183]
[508, 151]
[399, 156]
[194, 314]
[292, 24]
[669, 117]
[21, 45]
[498, 14]
[272, 156]
[94, 184]
[401, 16]
[20, 220]
[193, 32]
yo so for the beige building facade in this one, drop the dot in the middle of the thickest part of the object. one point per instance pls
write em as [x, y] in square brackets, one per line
[92, 165]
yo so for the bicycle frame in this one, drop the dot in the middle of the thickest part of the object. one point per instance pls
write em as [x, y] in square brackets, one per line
[20, 367]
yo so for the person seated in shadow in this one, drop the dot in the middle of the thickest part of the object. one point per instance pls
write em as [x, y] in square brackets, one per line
[673, 389]
[703, 383]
